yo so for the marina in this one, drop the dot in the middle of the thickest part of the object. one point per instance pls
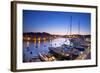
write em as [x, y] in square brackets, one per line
[55, 50]
[66, 38]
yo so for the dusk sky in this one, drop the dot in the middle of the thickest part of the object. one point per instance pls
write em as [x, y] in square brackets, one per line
[56, 22]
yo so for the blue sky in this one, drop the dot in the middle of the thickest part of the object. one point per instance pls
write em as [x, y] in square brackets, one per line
[56, 22]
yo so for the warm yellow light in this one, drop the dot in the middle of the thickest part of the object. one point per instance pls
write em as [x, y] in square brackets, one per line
[39, 39]
[34, 38]
[28, 38]
[44, 39]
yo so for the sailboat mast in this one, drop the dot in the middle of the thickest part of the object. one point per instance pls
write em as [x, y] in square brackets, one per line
[71, 25]
[79, 27]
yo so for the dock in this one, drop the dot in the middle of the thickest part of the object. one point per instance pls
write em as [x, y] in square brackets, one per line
[85, 55]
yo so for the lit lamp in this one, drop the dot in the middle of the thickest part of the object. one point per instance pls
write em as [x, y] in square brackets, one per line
[81, 55]
[28, 38]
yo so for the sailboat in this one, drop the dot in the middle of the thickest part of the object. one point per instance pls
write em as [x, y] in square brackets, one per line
[66, 51]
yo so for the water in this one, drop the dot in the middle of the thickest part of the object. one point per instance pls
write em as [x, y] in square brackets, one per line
[31, 49]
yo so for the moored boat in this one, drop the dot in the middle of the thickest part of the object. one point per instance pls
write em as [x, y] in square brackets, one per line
[62, 54]
[46, 57]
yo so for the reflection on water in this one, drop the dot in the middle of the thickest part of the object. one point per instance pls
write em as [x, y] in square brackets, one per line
[31, 49]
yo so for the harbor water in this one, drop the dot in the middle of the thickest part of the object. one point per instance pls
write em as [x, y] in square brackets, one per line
[31, 49]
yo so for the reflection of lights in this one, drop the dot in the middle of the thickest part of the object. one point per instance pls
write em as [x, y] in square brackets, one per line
[44, 41]
[34, 42]
[27, 44]
[38, 43]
